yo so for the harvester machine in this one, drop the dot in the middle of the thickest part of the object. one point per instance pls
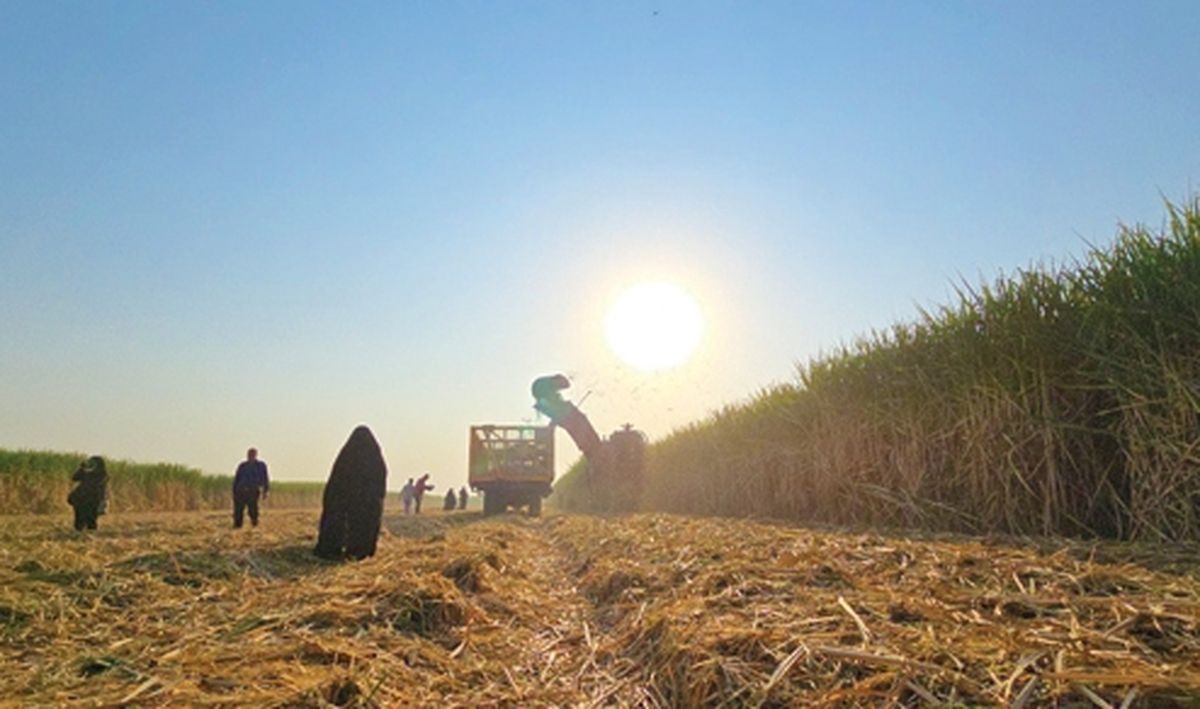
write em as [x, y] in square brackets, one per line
[615, 465]
[513, 466]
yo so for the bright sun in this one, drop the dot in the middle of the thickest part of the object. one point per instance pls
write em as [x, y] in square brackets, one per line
[653, 326]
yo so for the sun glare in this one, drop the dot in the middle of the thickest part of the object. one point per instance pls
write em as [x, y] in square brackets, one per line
[653, 326]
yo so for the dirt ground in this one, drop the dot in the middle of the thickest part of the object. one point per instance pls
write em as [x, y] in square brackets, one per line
[574, 610]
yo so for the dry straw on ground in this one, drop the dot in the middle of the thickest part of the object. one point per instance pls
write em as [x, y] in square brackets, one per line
[646, 610]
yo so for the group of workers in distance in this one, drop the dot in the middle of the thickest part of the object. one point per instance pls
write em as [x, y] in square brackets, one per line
[251, 483]
[413, 494]
[455, 501]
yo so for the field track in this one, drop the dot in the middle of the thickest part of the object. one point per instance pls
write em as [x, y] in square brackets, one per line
[645, 610]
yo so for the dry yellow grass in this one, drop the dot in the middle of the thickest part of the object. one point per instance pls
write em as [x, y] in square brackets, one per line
[646, 610]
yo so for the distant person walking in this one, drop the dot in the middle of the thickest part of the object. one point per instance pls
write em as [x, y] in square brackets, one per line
[419, 489]
[451, 502]
[88, 497]
[250, 482]
[407, 495]
[462, 498]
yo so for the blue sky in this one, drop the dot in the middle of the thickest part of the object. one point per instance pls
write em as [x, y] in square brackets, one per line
[230, 224]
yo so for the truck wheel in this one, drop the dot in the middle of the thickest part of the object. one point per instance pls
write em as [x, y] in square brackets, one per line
[491, 503]
[535, 506]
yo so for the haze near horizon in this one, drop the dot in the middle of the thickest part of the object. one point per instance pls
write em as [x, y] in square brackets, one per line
[227, 225]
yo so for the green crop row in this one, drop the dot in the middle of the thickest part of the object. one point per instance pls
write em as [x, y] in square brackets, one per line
[1057, 400]
[39, 481]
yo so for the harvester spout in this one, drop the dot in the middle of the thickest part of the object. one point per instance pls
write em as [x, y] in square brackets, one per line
[548, 400]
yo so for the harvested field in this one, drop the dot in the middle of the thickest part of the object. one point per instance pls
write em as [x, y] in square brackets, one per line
[645, 610]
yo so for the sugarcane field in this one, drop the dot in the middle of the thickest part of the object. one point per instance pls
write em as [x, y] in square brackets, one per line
[1013, 522]
[647, 610]
[479, 354]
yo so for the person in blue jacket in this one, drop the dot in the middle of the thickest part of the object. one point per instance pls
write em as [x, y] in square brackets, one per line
[250, 482]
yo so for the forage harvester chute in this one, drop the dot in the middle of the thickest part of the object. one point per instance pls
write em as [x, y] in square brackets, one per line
[615, 465]
[513, 465]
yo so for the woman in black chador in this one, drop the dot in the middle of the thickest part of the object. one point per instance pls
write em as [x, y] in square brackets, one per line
[88, 496]
[352, 505]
